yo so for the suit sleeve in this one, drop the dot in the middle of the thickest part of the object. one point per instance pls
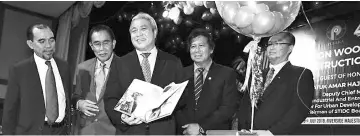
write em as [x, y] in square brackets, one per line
[181, 119]
[228, 106]
[112, 95]
[76, 96]
[11, 104]
[301, 103]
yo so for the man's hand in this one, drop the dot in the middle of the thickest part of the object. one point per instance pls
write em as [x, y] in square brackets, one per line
[88, 107]
[130, 120]
[191, 129]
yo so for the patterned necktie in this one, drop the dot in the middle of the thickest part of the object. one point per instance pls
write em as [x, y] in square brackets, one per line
[269, 77]
[145, 66]
[198, 84]
[52, 109]
[100, 79]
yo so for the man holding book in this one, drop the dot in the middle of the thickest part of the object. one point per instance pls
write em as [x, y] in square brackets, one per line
[145, 63]
[211, 97]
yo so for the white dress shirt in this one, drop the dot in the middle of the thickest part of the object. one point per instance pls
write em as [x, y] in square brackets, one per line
[151, 58]
[277, 67]
[42, 69]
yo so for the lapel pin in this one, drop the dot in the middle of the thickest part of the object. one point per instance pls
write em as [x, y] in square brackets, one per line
[209, 78]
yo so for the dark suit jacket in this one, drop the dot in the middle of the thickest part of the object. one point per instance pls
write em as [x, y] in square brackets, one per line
[86, 90]
[217, 103]
[24, 109]
[285, 102]
[167, 69]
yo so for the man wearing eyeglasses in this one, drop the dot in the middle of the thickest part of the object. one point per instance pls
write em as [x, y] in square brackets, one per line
[288, 91]
[91, 83]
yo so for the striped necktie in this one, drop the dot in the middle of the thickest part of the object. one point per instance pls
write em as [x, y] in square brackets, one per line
[145, 66]
[52, 110]
[198, 84]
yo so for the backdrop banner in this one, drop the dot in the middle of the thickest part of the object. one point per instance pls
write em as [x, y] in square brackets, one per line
[336, 69]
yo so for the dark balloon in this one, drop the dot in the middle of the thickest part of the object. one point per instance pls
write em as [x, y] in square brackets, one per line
[208, 27]
[206, 16]
[119, 18]
[188, 22]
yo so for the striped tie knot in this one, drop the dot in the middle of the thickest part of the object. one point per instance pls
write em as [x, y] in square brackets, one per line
[145, 55]
[200, 70]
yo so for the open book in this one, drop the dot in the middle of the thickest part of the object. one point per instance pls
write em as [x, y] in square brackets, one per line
[150, 102]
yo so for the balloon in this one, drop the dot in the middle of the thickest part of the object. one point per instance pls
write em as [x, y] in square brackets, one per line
[230, 12]
[258, 19]
[244, 17]
[279, 22]
[208, 27]
[178, 20]
[263, 22]
[188, 10]
[213, 11]
[209, 4]
[206, 16]
[198, 3]
[190, 3]
[261, 8]
[188, 22]
[120, 18]
[247, 30]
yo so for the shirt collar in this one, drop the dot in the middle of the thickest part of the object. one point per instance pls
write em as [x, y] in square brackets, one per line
[277, 67]
[207, 66]
[40, 60]
[107, 63]
[152, 51]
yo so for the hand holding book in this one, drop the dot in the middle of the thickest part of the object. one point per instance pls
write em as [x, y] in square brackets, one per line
[149, 102]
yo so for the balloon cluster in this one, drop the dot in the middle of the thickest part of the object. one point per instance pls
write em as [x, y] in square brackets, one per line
[258, 18]
[188, 7]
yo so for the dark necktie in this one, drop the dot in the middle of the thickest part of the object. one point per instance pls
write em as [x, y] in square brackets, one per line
[198, 84]
[269, 77]
[145, 66]
[52, 109]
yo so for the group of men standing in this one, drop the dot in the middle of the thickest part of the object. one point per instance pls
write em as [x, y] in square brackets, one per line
[39, 93]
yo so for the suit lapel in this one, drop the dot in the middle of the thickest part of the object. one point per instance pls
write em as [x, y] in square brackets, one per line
[190, 87]
[276, 80]
[159, 65]
[92, 66]
[135, 66]
[63, 70]
[112, 65]
[37, 83]
[204, 94]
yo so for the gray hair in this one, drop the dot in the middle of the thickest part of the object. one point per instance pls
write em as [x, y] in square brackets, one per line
[142, 15]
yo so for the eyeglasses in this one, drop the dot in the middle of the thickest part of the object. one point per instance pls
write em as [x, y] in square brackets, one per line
[105, 44]
[277, 44]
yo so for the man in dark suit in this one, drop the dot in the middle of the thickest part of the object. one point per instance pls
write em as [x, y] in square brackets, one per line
[37, 98]
[91, 81]
[145, 63]
[211, 98]
[288, 91]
